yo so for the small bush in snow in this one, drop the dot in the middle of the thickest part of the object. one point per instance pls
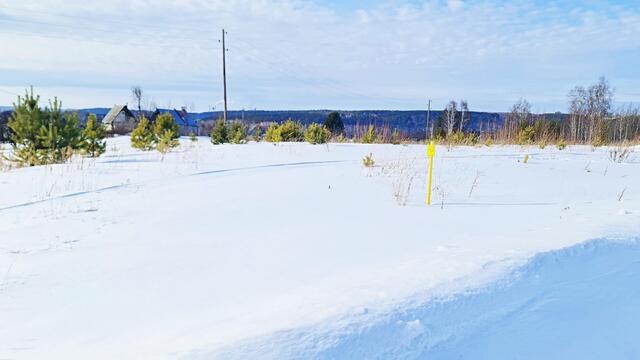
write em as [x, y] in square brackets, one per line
[317, 134]
[620, 153]
[220, 133]
[456, 138]
[166, 141]
[237, 133]
[257, 133]
[561, 145]
[341, 138]
[273, 133]
[369, 137]
[395, 137]
[291, 131]
[368, 161]
[526, 135]
[193, 137]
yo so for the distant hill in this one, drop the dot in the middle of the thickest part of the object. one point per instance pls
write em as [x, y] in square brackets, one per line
[411, 122]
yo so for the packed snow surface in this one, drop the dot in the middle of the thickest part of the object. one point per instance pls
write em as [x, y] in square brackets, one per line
[297, 251]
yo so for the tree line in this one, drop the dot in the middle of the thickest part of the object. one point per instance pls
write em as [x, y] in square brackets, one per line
[49, 135]
[591, 120]
[41, 136]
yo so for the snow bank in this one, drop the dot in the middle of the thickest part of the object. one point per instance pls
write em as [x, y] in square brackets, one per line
[581, 302]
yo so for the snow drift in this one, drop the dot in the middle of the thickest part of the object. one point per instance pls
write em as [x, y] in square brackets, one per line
[582, 302]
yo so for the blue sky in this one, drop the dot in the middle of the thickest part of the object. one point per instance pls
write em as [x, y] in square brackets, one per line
[298, 54]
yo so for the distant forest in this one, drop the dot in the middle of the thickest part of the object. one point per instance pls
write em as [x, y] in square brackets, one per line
[590, 119]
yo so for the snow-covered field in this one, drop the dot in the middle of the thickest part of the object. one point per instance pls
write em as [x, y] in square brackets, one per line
[297, 251]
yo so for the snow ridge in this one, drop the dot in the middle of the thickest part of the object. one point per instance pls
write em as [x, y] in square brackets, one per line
[543, 309]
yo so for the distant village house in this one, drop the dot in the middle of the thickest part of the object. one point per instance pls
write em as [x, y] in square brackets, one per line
[188, 124]
[119, 120]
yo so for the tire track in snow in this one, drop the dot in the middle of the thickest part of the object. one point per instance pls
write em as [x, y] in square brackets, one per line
[201, 173]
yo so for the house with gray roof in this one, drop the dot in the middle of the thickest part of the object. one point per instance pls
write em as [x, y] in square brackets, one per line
[119, 120]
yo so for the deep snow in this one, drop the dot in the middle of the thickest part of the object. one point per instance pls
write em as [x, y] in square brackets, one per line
[215, 250]
[575, 303]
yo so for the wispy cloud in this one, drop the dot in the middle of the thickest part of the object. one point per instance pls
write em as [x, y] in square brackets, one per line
[303, 54]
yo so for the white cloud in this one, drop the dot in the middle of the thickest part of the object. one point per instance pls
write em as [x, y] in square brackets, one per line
[294, 53]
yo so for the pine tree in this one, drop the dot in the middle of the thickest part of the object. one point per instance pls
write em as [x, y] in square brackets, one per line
[93, 137]
[165, 133]
[219, 134]
[395, 137]
[291, 131]
[273, 133]
[166, 141]
[142, 137]
[334, 123]
[25, 124]
[317, 134]
[164, 123]
[370, 136]
[237, 133]
[42, 136]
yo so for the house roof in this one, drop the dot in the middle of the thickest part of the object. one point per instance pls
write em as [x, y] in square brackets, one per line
[180, 118]
[114, 112]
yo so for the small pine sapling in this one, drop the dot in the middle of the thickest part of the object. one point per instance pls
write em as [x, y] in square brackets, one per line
[164, 123]
[220, 133]
[317, 134]
[237, 133]
[257, 133]
[561, 145]
[273, 133]
[142, 136]
[93, 137]
[368, 161]
[166, 141]
[395, 137]
[291, 131]
[370, 137]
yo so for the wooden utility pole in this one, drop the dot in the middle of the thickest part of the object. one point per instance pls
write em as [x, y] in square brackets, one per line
[224, 75]
[461, 117]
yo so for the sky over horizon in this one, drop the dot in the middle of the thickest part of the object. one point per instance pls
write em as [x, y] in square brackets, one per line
[304, 54]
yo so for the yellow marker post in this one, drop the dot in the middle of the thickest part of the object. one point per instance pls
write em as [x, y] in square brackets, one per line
[431, 152]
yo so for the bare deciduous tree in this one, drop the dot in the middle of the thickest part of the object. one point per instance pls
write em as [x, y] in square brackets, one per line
[589, 108]
[520, 114]
[449, 117]
[136, 93]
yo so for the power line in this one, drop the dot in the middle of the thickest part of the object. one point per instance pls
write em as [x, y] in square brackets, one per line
[116, 22]
[336, 88]
[9, 92]
[82, 30]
